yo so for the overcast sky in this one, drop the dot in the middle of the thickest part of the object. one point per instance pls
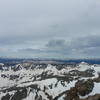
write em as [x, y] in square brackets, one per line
[50, 28]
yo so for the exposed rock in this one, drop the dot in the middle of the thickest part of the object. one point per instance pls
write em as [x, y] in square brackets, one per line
[19, 95]
[84, 87]
[94, 97]
[72, 94]
[6, 97]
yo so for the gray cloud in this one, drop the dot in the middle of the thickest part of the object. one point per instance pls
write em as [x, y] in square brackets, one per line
[88, 46]
[49, 28]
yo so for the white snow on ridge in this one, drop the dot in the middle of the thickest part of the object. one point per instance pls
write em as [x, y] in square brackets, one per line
[96, 89]
[55, 91]
[83, 66]
[27, 76]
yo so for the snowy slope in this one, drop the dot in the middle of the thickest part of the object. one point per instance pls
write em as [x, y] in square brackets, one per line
[44, 82]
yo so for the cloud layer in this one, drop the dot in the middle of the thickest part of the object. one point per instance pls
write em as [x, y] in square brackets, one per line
[50, 28]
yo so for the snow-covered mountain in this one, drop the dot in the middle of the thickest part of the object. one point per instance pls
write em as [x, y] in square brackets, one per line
[29, 81]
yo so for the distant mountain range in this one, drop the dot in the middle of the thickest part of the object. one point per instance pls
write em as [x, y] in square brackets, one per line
[29, 81]
[36, 60]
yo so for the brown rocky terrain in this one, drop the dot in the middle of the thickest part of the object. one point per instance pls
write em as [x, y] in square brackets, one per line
[83, 88]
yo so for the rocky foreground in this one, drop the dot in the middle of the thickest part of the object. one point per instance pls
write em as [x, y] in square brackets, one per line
[29, 81]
